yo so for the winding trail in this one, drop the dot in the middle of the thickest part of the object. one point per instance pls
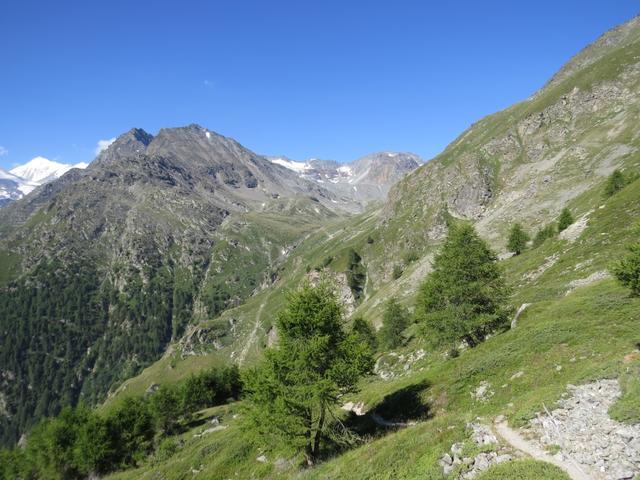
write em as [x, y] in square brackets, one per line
[513, 438]
[252, 336]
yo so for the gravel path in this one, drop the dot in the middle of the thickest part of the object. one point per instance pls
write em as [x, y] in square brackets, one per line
[513, 438]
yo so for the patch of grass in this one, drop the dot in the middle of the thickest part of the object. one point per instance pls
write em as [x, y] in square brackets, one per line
[627, 408]
[524, 470]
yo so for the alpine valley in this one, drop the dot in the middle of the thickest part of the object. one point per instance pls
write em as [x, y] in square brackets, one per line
[172, 254]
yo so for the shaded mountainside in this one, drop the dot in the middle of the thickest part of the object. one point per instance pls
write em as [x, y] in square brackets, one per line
[103, 267]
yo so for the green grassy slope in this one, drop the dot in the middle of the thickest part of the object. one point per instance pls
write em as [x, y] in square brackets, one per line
[562, 338]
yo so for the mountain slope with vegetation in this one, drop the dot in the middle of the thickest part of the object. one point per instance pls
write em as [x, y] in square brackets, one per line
[104, 267]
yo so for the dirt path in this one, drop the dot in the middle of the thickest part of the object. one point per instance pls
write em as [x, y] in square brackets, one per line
[378, 420]
[252, 336]
[513, 438]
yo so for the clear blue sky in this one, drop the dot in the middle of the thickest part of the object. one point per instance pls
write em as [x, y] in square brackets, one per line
[328, 79]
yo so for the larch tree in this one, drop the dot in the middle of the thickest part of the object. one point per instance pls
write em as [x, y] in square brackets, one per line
[291, 396]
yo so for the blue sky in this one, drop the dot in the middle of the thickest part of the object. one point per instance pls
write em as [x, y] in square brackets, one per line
[327, 79]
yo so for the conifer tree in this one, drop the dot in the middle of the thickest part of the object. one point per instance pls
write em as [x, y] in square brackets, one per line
[518, 239]
[292, 395]
[464, 297]
[394, 322]
[363, 332]
[627, 270]
[615, 182]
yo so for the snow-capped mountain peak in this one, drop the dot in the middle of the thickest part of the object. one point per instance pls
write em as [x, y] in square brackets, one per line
[42, 170]
[21, 180]
[13, 187]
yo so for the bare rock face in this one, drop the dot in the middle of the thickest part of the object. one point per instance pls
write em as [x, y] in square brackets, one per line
[345, 296]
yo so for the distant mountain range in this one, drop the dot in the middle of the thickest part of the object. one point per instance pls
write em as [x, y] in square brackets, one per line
[23, 179]
[366, 179]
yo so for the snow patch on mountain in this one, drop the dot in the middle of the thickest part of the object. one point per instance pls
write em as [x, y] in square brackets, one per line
[299, 167]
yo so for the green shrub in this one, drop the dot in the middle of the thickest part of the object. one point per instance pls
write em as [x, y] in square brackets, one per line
[410, 256]
[565, 219]
[615, 182]
[627, 270]
[543, 234]
[397, 271]
[365, 333]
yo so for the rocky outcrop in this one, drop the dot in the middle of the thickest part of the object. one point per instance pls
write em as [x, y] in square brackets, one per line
[457, 464]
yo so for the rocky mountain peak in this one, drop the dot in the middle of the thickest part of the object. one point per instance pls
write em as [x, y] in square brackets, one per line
[131, 143]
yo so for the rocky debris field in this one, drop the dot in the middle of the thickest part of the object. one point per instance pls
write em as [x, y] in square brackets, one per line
[582, 431]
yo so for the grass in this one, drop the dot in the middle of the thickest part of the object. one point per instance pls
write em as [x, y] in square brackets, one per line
[524, 470]
[627, 408]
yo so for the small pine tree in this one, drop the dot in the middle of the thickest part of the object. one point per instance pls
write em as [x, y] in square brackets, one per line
[465, 296]
[290, 397]
[364, 333]
[565, 219]
[627, 270]
[394, 322]
[369, 239]
[518, 239]
[615, 183]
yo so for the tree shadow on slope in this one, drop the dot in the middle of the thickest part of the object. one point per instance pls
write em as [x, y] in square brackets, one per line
[399, 409]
